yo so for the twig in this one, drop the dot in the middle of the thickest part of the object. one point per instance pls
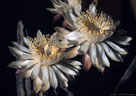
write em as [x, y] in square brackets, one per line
[130, 70]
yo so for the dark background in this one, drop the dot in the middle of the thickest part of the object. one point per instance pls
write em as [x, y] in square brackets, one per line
[93, 83]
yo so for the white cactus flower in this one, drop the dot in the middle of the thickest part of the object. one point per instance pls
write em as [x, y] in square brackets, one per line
[97, 36]
[61, 6]
[42, 59]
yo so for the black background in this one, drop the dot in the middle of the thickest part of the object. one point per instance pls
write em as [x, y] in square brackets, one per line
[93, 83]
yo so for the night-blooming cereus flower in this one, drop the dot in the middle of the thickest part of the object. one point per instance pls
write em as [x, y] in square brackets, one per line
[44, 61]
[61, 6]
[97, 36]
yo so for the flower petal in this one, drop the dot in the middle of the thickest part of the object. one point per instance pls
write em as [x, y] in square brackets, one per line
[44, 75]
[60, 74]
[52, 10]
[66, 70]
[98, 65]
[52, 78]
[62, 83]
[45, 87]
[77, 41]
[83, 49]
[92, 52]
[92, 8]
[27, 73]
[20, 54]
[102, 55]
[117, 48]
[15, 64]
[72, 53]
[61, 30]
[26, 41]
[73, 62]
[73, 35]
[39, 34]
[21, 47]
[25, 63]
[36, 70]
[123, 40]
[37, 84]
[109, 52]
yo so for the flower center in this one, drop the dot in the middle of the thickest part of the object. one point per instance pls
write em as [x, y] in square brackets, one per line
[95, 26]
[45, 50]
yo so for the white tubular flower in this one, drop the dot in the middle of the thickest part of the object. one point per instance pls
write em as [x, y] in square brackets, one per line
[97, 36]
[41, 59]
[61, 6]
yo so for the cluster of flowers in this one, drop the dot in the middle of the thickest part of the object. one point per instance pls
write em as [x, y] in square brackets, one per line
[46, 59]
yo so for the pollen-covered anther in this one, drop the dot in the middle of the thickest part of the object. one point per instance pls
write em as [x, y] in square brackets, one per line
[44, 49]
[98, 24]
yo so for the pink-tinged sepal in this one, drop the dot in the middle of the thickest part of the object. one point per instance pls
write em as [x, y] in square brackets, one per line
[65, 24]
[56, 17]
[19, 71]
[86, 62]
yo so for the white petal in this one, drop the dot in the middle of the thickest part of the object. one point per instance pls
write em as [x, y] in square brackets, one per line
[92, 8]
[103, 56]
[27, 62]
[61, 30]
[73, 62]
[36, 70]
[21, 47]
[77, 67]
[98, 65]
[20, 54]
[73, 17]
[44, 75]
[60, 74]
[77, 41]
[84, 48]
[27, 73]
[66, 70]
[30, 65]
[117, 48]
[109, 52]
[15, 64]
[73, 35]
[72, 53]
[45, 87]
[62, 83]
[77, 10]
[21, 63]
[26, 56]
[71, 2]
[26, 41]
[123, 40]
[52, 10]
[16, 51]
[53, 78]
[37, 84]
[39, 34]
[68, 18]
[92, 52]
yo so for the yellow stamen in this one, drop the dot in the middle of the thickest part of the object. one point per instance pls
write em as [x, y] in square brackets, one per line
[95, 24]
[45, 49]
